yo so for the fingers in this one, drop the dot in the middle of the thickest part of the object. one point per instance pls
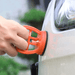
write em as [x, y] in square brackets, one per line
[12, 32]
[11, 50]
[22, 32]
[20, 43]
[8, 48]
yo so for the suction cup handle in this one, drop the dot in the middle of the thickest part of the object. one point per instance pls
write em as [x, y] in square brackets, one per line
[39, 41]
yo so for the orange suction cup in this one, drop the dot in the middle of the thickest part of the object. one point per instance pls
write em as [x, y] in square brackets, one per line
[39, 42]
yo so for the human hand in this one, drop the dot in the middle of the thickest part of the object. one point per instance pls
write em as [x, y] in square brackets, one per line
[12, 34]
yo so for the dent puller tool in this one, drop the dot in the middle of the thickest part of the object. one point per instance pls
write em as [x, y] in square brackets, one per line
[39, 42]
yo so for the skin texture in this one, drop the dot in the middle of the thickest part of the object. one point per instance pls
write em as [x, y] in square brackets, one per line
[12, 34]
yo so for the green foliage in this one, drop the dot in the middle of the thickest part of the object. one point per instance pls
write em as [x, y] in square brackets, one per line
[34, 34]
[3, 73]
[32, 57]
[33, 15]
[9, 66]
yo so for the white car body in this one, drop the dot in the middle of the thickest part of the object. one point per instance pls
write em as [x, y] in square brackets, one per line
[59, 57]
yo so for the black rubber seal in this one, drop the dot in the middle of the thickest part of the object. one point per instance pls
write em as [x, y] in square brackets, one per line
[46, 43]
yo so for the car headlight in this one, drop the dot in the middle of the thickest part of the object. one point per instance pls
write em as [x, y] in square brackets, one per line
[65, 14]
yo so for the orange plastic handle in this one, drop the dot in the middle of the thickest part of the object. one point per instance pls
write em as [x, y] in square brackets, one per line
[40, 41]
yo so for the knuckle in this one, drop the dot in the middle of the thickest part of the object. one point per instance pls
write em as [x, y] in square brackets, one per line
[13, 25]
[13, 28]
[9, 37]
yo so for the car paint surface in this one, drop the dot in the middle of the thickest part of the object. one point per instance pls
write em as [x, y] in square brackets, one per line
[59, 57]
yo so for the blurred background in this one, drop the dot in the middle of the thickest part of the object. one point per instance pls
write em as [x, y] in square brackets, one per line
[25, 12]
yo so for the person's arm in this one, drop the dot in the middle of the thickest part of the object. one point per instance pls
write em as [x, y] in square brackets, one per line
[12, 34]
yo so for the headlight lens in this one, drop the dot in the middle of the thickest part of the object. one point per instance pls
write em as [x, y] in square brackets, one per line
[65, 14]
